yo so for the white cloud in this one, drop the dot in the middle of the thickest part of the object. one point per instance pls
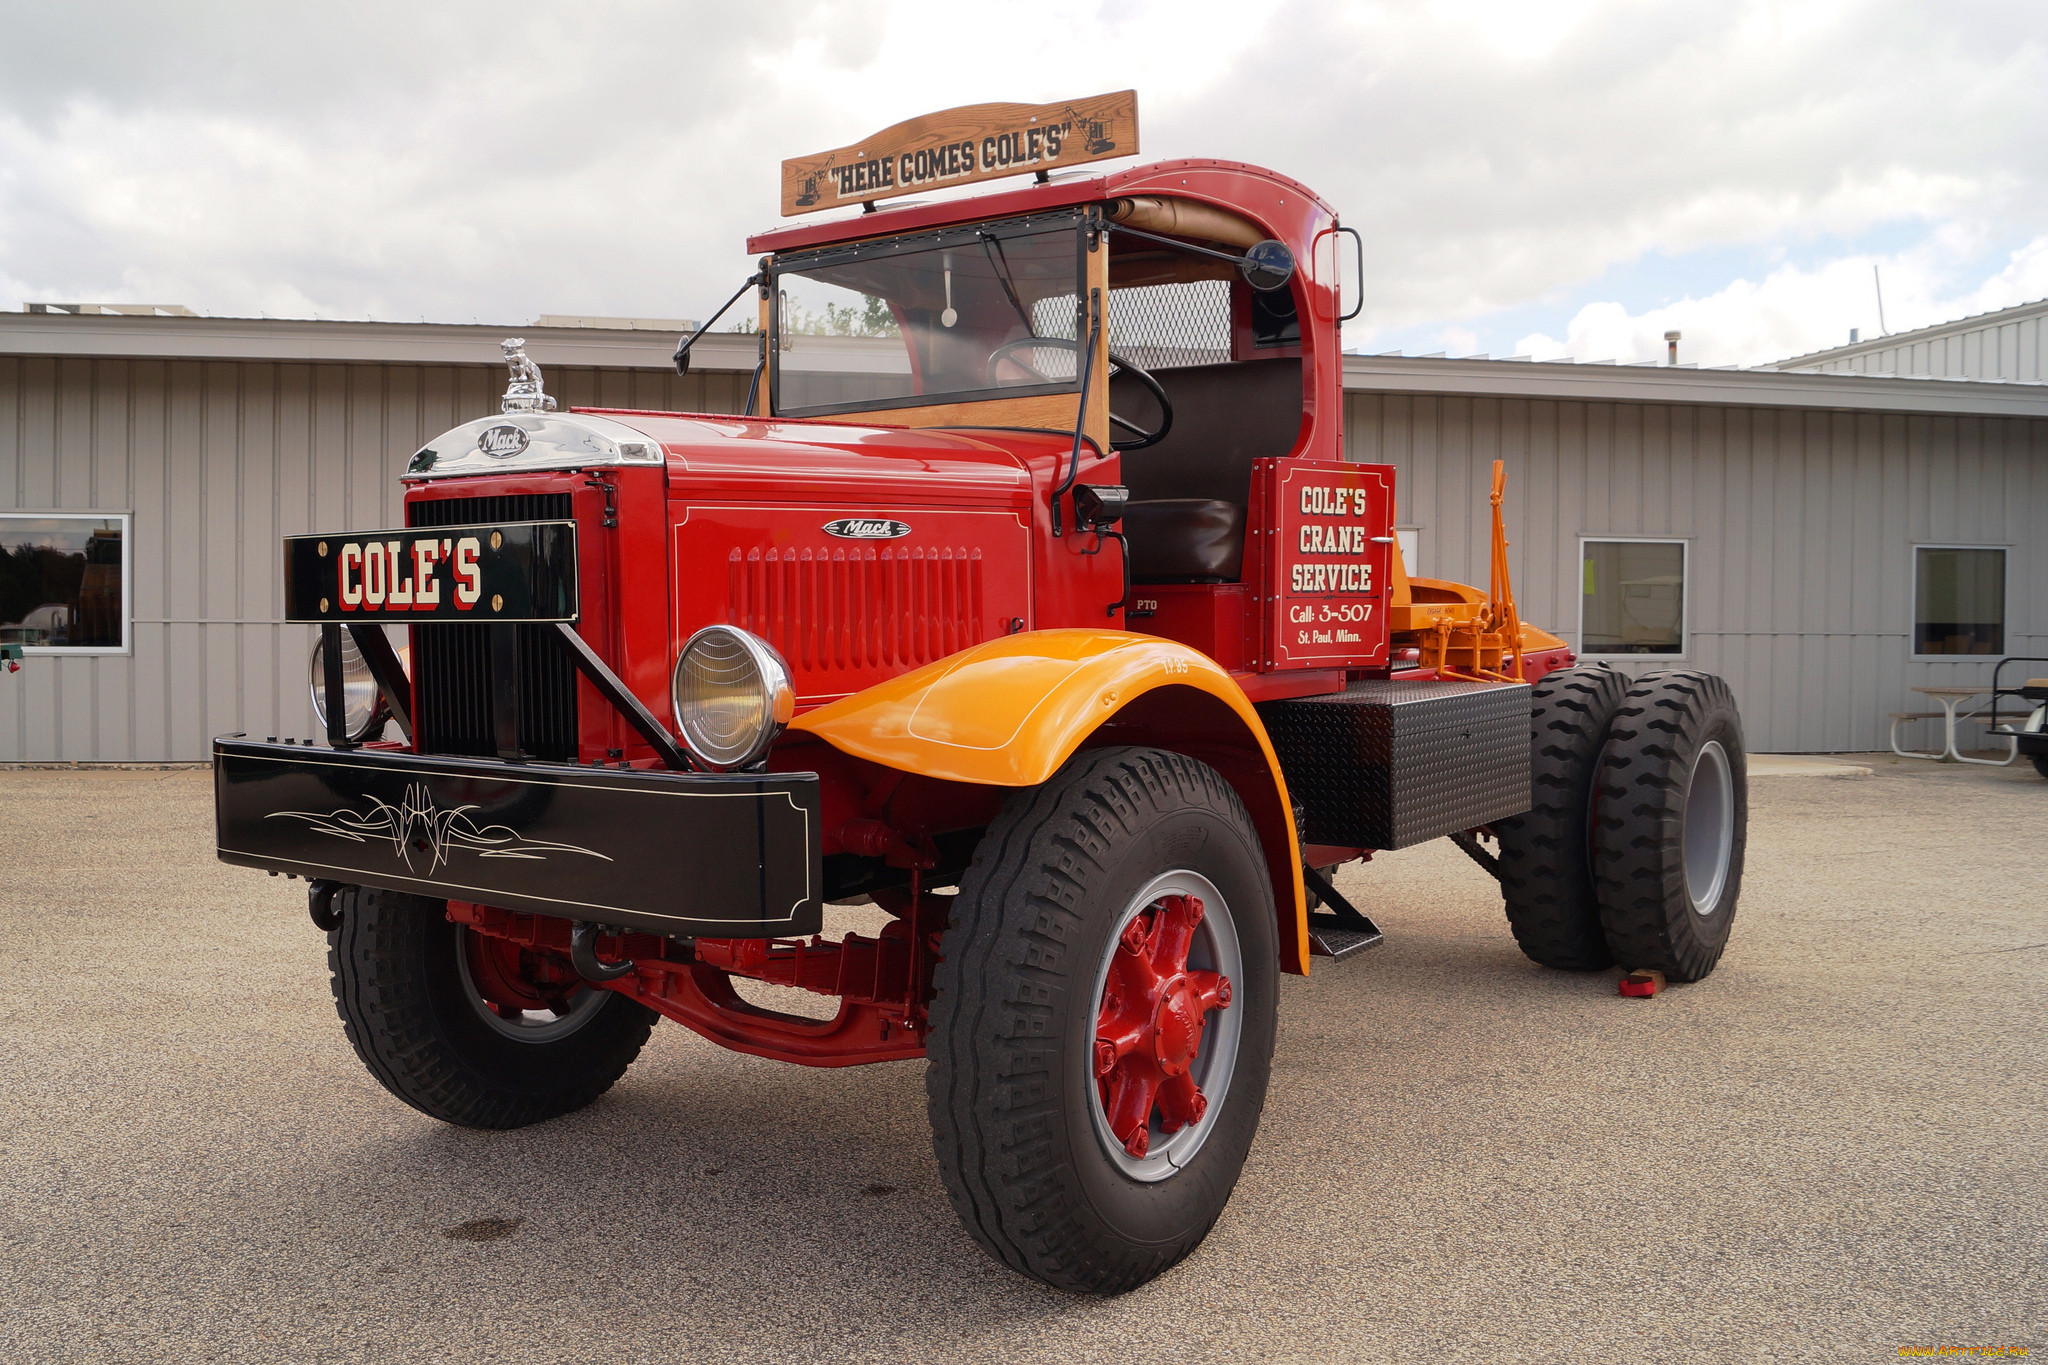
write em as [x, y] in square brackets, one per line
[501, 160]
[1793, 311]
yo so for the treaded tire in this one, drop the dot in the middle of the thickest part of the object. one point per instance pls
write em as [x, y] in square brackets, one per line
[2041, 764]
[399, 991]
[1647, 771]
[1545, 854]
[1009, 1084]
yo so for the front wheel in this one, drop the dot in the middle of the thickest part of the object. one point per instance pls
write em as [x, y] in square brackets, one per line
[469, 1029]
[1102, 1031]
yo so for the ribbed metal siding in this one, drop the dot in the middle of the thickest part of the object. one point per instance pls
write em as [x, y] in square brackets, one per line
[2014, 348]
[454, 684]
[1800, 526]
[217, 461]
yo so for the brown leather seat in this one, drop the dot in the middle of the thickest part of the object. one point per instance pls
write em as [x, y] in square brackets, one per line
[1185, 540]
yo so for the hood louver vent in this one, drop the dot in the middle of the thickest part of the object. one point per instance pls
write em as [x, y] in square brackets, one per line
[853, 610]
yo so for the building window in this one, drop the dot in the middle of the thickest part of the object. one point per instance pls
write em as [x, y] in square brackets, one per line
[64, 582]
[1632, 597]
[1410, 540]
[1958, 599]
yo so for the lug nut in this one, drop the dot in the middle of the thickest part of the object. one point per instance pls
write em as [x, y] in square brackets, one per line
[1140, 1143]
[1105, 1056]
[1222, 992]
[1133, 940]
[1194, 904]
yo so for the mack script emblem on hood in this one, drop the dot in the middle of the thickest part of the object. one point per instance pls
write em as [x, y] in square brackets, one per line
[502, 441]
[867, 528]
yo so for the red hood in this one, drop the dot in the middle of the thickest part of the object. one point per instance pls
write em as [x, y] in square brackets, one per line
[785, 460]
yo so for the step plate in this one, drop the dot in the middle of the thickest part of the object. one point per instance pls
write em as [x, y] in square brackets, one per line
[1328, 938]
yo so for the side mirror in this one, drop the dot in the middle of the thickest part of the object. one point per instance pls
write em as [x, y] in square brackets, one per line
[683, 356]
[1268, 266]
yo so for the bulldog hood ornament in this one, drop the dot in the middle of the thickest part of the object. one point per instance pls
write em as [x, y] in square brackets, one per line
[525, 392]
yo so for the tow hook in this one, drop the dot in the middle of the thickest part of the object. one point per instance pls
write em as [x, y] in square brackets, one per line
[320, 905]
[583, 954]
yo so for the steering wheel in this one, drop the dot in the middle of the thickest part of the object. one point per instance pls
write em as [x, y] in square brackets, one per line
[1002, 355]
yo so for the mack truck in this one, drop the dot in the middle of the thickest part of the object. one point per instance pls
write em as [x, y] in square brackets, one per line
[1059, 635]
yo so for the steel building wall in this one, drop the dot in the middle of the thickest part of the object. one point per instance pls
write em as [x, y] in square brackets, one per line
[2011, 345]
[1801, 527]
[217, 460]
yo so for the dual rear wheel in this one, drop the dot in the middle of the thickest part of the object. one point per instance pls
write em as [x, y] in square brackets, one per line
[1633, 849]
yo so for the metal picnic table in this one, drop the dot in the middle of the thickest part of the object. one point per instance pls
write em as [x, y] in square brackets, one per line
[1949, 697]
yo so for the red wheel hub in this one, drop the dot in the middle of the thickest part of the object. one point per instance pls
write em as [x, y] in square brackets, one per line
[1148, 1029]
[513, 978]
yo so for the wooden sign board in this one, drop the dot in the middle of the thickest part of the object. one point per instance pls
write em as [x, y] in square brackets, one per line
[962, 146]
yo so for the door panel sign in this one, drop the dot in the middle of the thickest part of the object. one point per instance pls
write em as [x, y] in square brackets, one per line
[1324, 568]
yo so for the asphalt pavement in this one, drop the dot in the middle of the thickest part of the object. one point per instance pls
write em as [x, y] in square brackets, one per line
[1833, 1148]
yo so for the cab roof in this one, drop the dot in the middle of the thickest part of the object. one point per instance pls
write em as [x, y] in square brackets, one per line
[1266, 197]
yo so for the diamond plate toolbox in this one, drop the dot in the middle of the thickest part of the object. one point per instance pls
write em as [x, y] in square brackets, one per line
[1387, 764]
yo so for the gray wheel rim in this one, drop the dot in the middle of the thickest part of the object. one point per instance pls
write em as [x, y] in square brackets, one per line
[1215, 949]
[1709, 827]
[530, 1026]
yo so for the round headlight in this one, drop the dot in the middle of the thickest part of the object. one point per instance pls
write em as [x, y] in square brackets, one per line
[732, 696]
[362, 708]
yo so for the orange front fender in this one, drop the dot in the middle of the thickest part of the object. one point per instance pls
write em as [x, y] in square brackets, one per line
[1009, 712]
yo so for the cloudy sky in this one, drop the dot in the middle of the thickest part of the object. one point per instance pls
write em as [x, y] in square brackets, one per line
[1556, 179]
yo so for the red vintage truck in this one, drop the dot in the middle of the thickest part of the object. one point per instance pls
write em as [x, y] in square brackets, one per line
[1062, 632]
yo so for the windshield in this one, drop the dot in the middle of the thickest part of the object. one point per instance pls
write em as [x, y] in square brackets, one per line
[980, 312]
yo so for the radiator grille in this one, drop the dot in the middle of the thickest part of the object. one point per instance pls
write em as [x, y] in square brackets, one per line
[860, 608]
[452, 664]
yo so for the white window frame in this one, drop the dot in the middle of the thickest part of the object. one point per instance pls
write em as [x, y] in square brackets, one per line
[1913, 604]
[127, 520]
[1410, 560]
[1684, 544]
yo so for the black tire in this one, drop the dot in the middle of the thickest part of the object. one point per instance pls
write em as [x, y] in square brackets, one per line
[1546, 855]
[400, 991]
[2041, 764]
[1658, 789]
[1010, 1085]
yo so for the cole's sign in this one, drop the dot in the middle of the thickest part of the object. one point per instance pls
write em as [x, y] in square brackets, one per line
[520, 571]
[1328, 562]
[962, 146]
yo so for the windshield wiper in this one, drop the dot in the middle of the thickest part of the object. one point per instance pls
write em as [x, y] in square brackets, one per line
[1002, 269]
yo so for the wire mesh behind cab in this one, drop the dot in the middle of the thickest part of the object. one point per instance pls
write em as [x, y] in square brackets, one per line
[1157, 326]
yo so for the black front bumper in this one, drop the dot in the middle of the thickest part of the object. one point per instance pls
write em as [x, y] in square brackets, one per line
[728, 856]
